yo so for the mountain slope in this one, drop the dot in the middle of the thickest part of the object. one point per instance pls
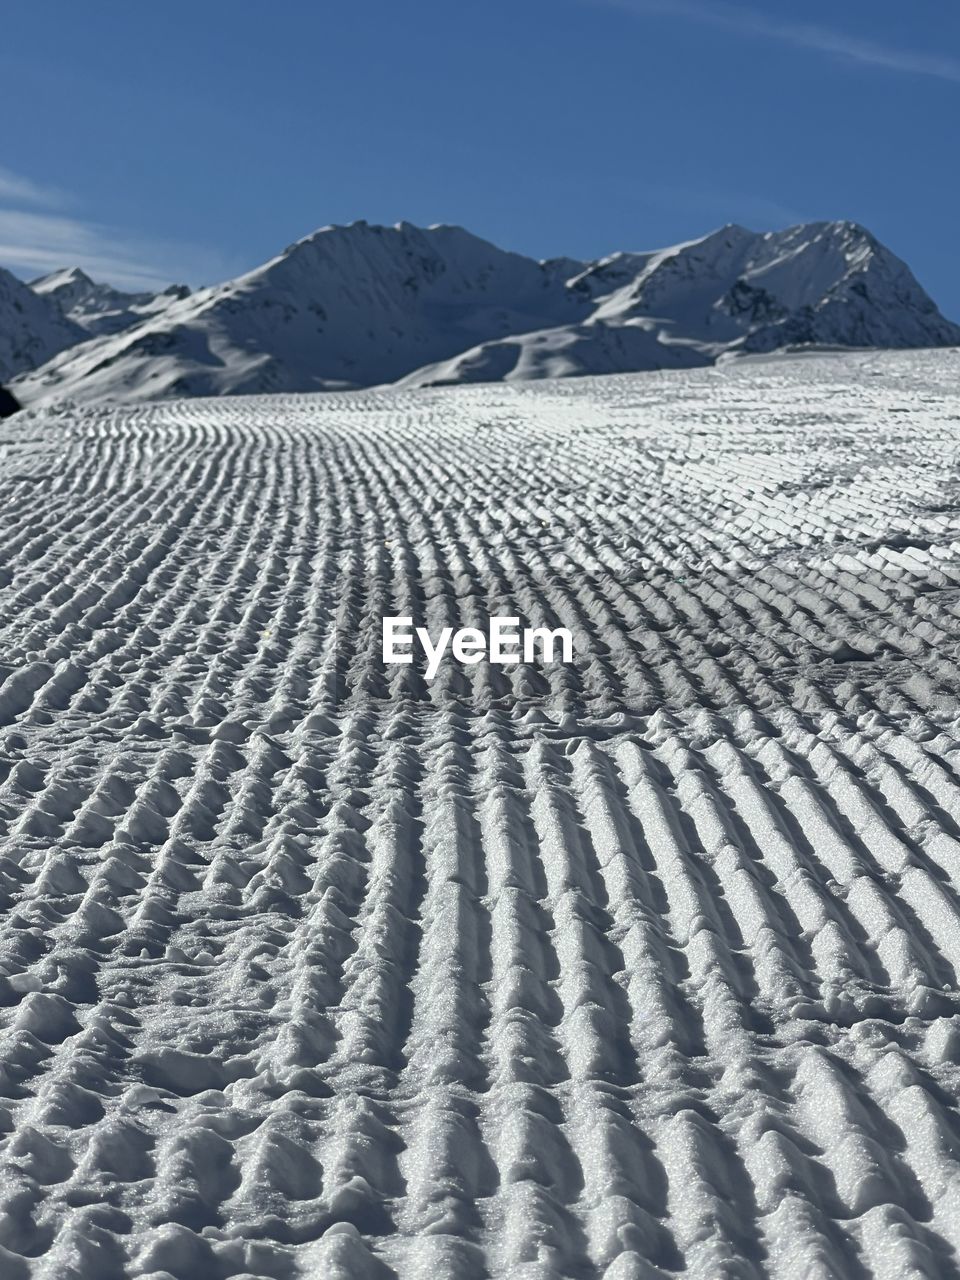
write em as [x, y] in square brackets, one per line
[566, 351]
[365, 305]
[32, 328]
[99, 308]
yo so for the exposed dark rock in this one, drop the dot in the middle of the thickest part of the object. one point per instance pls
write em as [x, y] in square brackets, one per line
[9, 404]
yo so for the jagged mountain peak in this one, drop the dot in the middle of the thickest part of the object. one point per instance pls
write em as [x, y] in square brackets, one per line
[66, 275]
[32, 328]
[99, 309]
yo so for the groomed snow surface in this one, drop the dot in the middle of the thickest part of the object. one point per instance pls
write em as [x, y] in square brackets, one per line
[645, 966]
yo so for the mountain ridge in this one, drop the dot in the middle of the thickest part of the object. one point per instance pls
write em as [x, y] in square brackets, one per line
[366, 305]
[98, 308]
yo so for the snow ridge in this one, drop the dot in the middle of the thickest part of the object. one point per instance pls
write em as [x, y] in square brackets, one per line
[366, 305]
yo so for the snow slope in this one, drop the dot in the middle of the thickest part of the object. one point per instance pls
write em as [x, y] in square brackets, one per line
[364, 305]
[32, 328]
[648, 966]
[99, 308]
[567, 351]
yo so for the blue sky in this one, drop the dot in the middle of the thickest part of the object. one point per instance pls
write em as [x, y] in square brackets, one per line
[193, 140]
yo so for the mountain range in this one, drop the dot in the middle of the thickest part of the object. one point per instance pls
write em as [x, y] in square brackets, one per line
[363, 305]
[99, 308]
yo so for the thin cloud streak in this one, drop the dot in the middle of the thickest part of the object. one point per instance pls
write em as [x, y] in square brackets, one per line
[801, 35]
[37, 240]
[16, 189]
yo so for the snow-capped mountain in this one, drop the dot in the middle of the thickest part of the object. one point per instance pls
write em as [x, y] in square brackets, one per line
[732, 292]
[99, 308]
[364, 305]
[32, 328]
[347, 306]
[827, 283]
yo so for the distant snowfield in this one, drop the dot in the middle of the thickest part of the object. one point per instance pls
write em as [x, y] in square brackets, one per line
[644, 966]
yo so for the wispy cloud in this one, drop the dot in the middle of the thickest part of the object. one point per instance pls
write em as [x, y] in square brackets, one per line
[39, 233]
[16, 189]
[803, 35]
